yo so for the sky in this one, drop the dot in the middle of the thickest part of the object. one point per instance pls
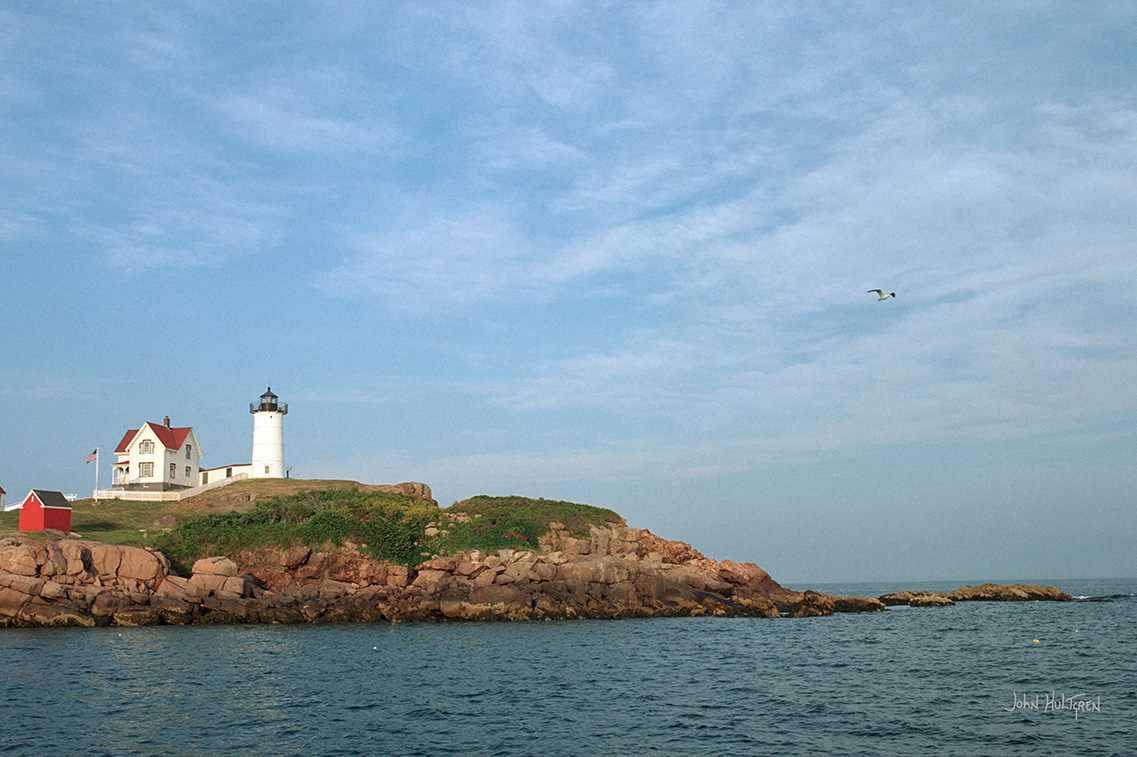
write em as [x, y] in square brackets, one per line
[610, 253]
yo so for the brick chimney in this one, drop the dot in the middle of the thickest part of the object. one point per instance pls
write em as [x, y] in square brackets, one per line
[166, 421]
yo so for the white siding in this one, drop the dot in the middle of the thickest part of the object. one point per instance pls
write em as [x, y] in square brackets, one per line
[160, 459]
[268, 444]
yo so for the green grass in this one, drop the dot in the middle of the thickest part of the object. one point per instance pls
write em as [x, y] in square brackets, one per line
[111, 521]
[114, 521]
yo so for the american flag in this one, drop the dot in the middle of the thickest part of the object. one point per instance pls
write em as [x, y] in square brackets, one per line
[93, 456]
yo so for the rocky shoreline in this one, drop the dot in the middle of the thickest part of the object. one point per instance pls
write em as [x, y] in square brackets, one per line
[615, 572]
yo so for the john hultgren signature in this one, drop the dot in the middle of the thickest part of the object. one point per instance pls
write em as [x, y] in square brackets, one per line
[1055, 702]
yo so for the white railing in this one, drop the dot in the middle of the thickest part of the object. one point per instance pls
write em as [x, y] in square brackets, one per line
[167, 496]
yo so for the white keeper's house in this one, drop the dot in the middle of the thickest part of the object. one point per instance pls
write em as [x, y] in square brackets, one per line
[157, 458]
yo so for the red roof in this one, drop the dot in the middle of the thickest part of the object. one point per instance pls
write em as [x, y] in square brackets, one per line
[2, 490]
[171, 438]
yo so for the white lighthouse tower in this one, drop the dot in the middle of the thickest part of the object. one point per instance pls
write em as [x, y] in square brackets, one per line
[268, 436]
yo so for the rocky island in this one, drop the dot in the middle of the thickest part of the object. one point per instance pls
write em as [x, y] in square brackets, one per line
[390, 554]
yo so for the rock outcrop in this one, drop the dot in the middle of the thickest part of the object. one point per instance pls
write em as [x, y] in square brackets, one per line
[917, 599]
[75, 582]
[1011, 593]
[984, 592]
[614, 572]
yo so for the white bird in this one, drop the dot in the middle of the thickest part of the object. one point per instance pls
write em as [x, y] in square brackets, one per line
[880, 295]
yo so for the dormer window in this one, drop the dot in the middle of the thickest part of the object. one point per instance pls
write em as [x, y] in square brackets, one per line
[146, 447]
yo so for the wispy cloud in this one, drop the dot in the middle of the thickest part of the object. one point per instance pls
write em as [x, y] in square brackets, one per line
[314, 111]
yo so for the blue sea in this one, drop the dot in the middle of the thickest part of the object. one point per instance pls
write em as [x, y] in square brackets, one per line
[1037, 678]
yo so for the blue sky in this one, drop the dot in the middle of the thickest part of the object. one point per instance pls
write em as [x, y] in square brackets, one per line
[614, 253]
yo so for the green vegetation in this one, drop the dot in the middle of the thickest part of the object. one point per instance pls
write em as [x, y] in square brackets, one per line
[386, 525]
[511, 523]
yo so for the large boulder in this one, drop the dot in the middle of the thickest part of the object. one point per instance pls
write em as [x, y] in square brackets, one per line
[215, 566]
[142, 565]
[19, 558]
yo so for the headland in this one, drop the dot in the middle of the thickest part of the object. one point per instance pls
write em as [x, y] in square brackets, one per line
[341, 551]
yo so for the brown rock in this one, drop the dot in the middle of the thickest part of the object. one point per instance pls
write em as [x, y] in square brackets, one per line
[857, 604]
[494, 595]
[469, 568]
[916, 599]
[174, 611]
[444, 564]
[19, 559]
[77, 555]
[673, 552]
[12, 602]
[53, 590]
[1011, 593]
[23, 584]
[294, 557]
[236, 585]
[174, 587]
[398, 576]
[141, 565]
[52, 562]
[215, 566]
[107, 602]
[206, 584]
[135, 617]
[105, 559]
[431, 580]
[929, 599]
[42, 613]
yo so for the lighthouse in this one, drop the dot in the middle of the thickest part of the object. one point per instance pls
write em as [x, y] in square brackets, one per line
[268, 436]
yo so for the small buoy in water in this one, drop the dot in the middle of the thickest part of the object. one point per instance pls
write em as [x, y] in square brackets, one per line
[375, 648]
[1035, 641]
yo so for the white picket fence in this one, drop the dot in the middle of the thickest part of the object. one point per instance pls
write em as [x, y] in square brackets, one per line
[170, 496]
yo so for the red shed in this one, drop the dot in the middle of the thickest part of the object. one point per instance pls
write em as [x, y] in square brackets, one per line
[42, 509]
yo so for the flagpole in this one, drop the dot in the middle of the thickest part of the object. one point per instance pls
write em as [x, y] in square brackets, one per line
[96, 494]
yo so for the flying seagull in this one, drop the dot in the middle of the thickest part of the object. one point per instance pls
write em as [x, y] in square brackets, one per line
[880, 295]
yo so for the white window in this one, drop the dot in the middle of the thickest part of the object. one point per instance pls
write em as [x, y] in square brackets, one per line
[188, 474]
[146, 446]
[173, 470]
[266, 470]
[188, 448]
[146, 470]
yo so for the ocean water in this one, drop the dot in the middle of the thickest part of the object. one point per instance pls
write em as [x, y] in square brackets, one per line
[908, 681]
